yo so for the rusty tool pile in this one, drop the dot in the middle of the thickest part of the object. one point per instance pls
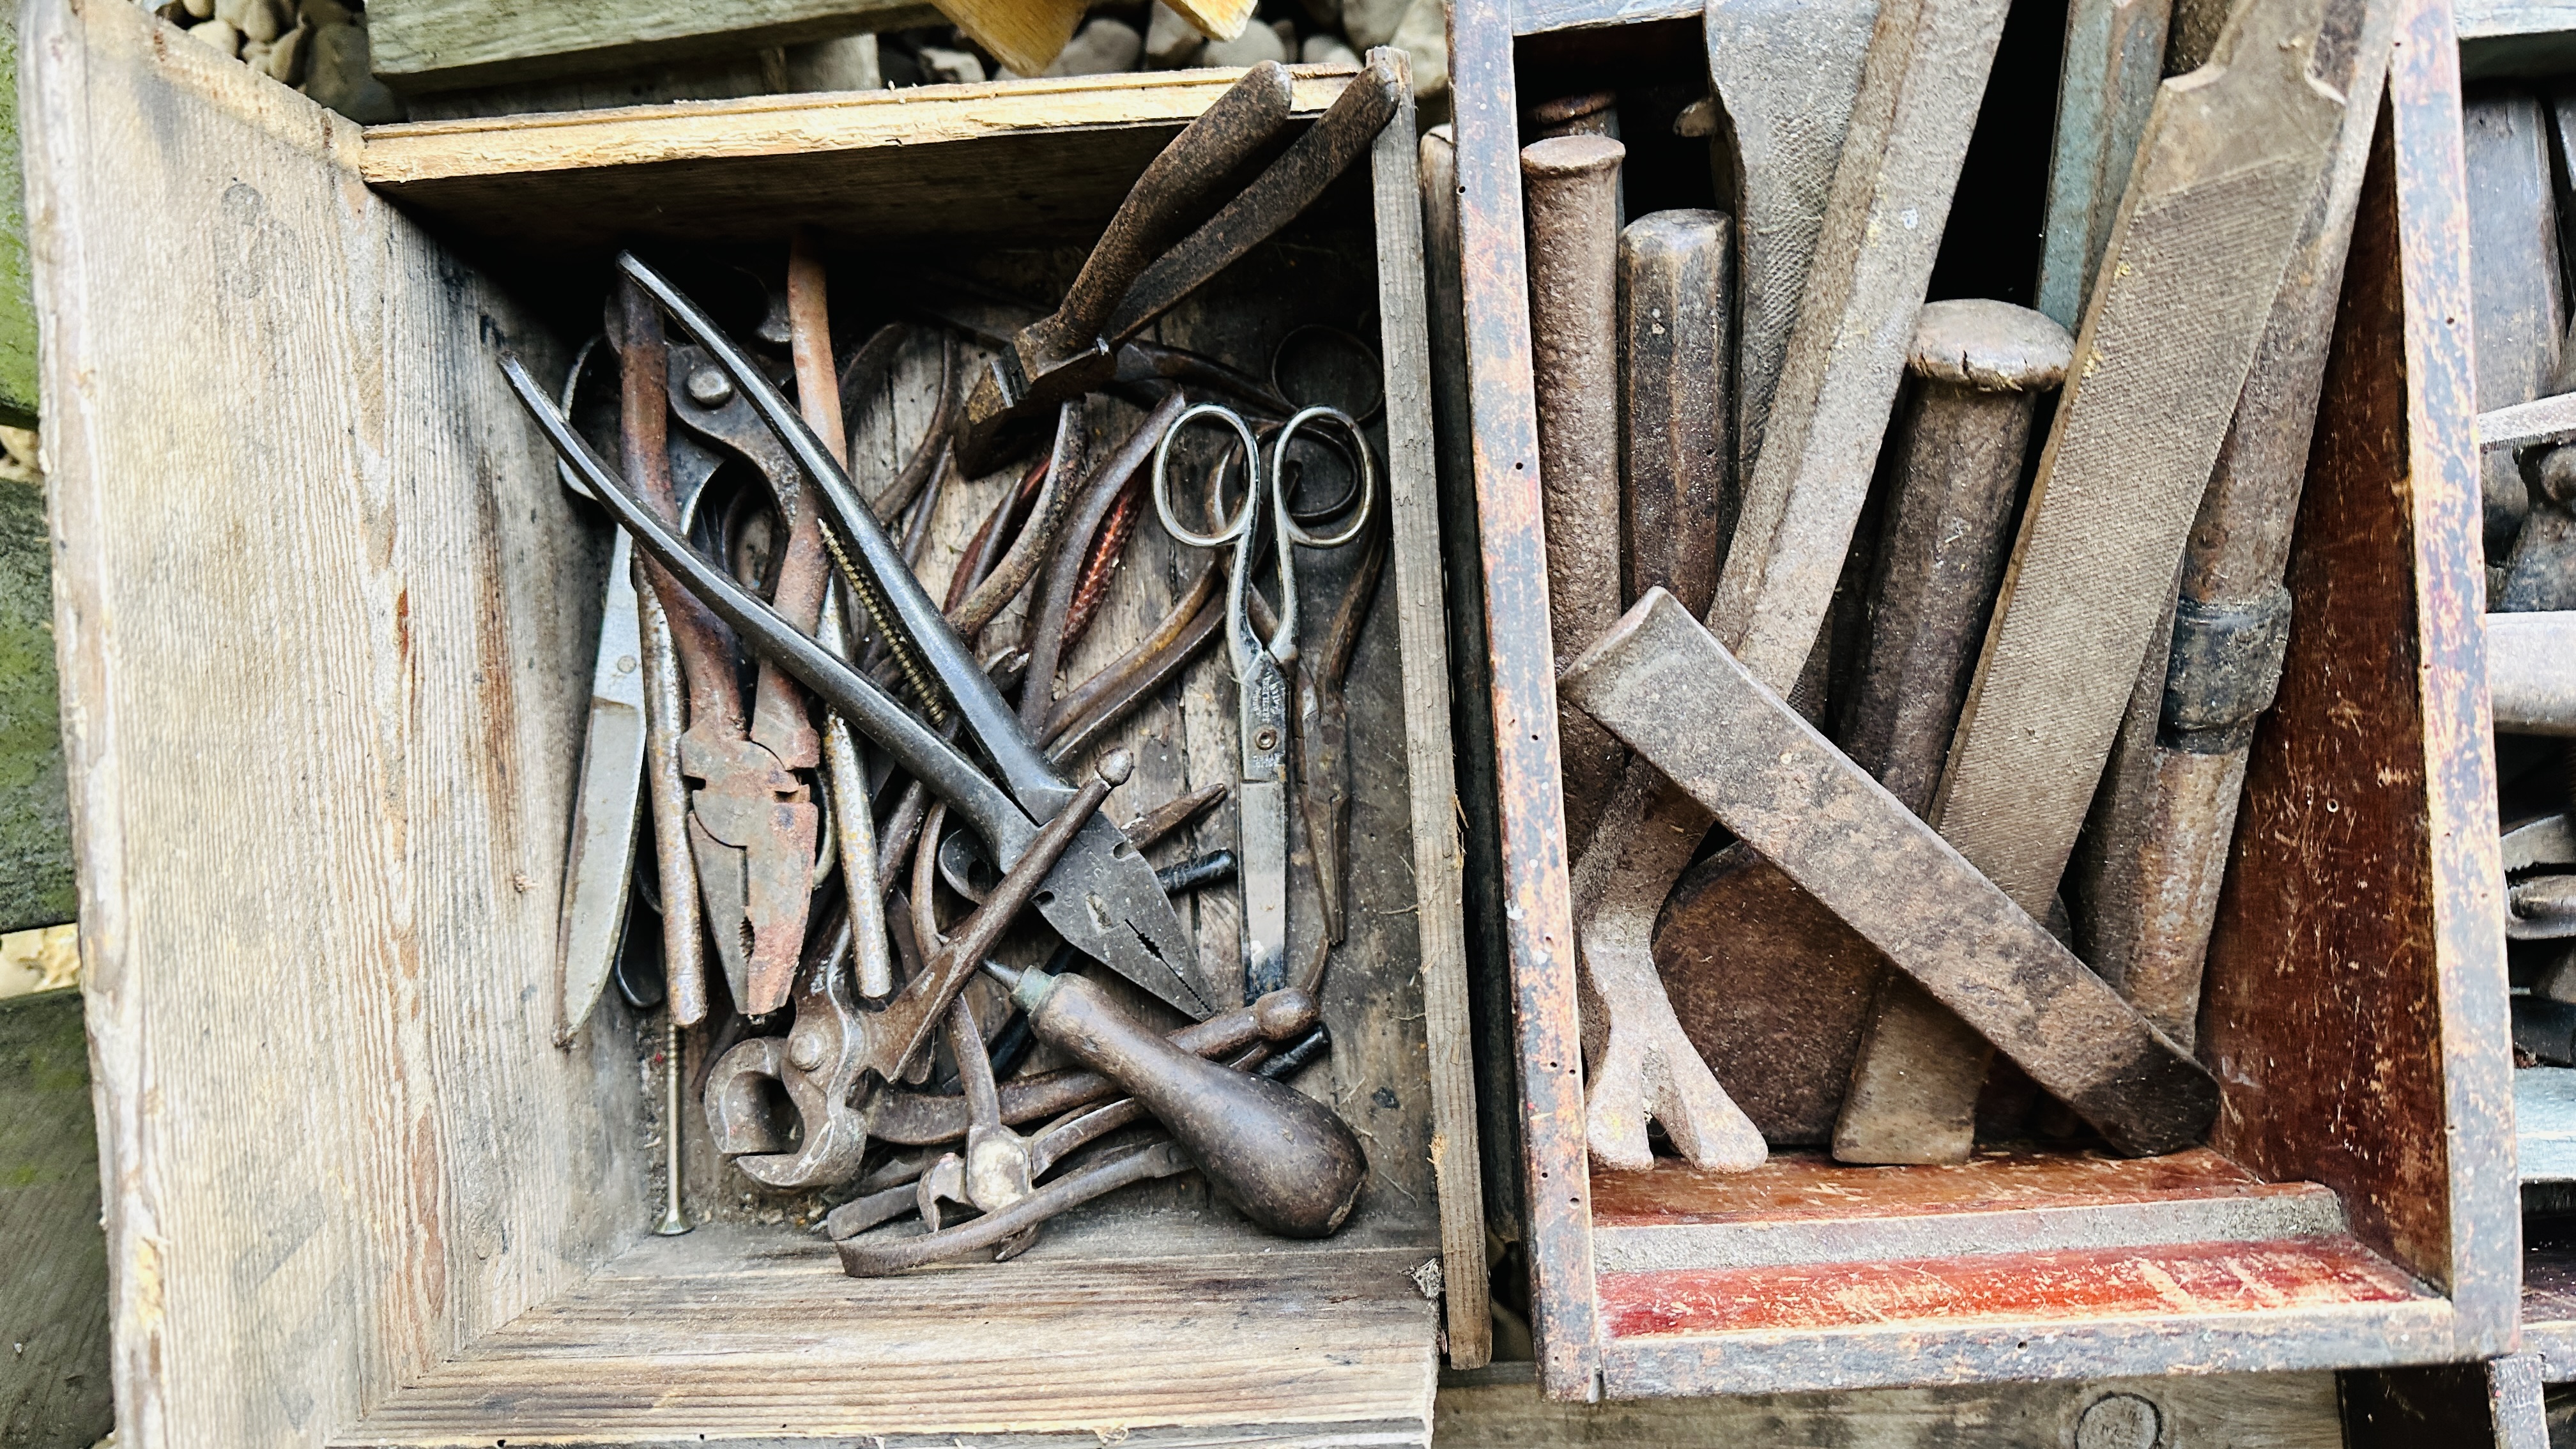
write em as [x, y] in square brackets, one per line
[861, 802]
[1890, 748]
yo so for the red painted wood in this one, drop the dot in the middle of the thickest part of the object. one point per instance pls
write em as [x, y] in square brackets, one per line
[2185, 1278]
[1809, 1186]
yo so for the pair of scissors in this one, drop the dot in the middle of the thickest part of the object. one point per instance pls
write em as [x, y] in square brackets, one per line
[1261, 665]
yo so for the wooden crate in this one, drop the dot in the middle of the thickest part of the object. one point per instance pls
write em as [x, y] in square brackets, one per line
[2354, 1205]
[325, 615]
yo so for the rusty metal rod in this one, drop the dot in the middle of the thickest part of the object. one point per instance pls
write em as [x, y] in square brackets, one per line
[1569, 187]
[1114, 479]
[1677, 439]
[1980, 369]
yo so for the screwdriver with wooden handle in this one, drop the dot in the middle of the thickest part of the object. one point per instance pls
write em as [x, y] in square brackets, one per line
[1288, 1161]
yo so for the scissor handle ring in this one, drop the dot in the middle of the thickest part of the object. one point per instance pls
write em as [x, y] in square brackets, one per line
[1367, 461]
[1252, 489]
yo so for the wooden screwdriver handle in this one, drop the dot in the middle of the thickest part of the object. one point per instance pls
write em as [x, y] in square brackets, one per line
[1286, 1160]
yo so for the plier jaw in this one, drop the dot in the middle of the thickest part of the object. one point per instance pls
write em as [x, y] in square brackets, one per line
[1015, 390]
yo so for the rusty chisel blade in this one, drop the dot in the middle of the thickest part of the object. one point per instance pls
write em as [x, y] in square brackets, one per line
[1663, 684]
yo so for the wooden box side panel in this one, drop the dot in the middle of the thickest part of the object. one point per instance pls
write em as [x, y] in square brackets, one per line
[2356, 986]
[1538, 908]
[1439, 849]
[320, 614]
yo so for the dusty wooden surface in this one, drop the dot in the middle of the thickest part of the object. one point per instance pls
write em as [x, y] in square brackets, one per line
[2414, 1156]
[433, 45]
[323, 666]
[2273, 1411]
[1183, 1347]
[1808, 1186]
[1439, 846]
[1536, 899]
[2516, 37]
[1050, 157]
[2184, 1280]
[54, 1391]
[351, 1155]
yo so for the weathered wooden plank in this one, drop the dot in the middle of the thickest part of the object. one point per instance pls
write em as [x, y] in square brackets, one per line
[1499, 1409]
[1810, 1187]
[1534, 888]
[322, 674]
[2245, 1336]
[1947, 1238]
[1804, 1209]
[433, 45]
[1439, 852]
[1048, 156]
[2515, 37]
[54, 1388]
[1278, 1343]
[846, 64]
[35, 821]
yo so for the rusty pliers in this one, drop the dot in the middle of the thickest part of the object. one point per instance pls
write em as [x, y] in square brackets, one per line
[826, 1060]
[1105, 901]
[1151, 255]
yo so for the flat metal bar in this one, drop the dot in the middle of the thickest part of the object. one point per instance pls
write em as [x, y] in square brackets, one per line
[1665, 685]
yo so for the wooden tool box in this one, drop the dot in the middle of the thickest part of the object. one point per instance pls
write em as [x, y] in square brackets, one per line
[325, 616]
[2353, 1206]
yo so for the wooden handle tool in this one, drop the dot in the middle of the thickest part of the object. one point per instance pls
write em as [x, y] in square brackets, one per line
[1291, 1164]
